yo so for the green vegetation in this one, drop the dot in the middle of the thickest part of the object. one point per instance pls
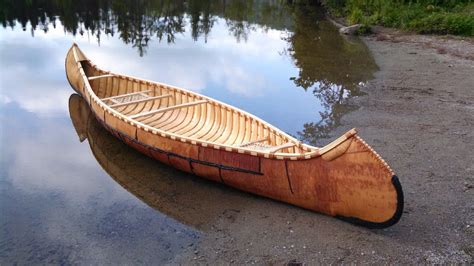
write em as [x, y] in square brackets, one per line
[423, 16]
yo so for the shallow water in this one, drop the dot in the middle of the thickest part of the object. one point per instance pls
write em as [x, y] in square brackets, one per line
[63, 201]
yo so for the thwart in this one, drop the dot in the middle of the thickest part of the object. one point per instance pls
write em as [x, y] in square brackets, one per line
[214, 140]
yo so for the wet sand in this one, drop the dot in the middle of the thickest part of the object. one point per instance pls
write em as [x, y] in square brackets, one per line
[418, 113]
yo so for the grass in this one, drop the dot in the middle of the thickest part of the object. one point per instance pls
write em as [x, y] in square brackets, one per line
[423, 16]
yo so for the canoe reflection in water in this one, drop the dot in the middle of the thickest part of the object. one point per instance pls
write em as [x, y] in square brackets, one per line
[191, 201]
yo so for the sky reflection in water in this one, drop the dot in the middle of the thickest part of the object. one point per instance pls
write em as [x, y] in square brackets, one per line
[57, 202]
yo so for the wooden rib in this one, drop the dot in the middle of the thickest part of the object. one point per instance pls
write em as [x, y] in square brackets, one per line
[108, 89]
[140, 100]
[115, 88]
[243, 124]
[193, 122]
[222, 125]
[161, 104]
[108, 81]
[167, 109]
[214, 117]
[219, 120]
[237, 130]
[272, 138]
[227, 127]
[176, 121]
[147, 106]
[122, 89]
[202, 121]
[190, 122]
[242, 130]
[101, 88]
[196, 120]
[283, 146]
[166, 117]
[248, 132]
[101, 76]
[177, 116]
[98, 89]
[125, 95]
[233, 127]
[113, 84]
[193, 126]
[182, 120]
[267, 132]
[189, 116]
[277, 140]
[252, 131]
[171, 116]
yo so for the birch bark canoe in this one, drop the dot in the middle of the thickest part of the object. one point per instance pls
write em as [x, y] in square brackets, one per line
[199, 135]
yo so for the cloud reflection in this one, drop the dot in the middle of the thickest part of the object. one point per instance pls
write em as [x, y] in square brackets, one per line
[220, 62]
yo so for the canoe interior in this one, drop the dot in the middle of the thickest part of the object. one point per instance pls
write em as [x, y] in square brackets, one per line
[187, 114]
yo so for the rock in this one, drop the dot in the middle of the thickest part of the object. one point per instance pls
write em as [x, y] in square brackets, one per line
[351, 30]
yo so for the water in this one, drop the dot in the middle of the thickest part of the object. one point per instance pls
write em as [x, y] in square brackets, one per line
[63, 201]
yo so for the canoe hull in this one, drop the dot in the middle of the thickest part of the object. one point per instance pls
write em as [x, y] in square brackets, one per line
[350, 181]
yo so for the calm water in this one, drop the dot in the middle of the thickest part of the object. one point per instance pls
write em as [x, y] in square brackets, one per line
[63, 200]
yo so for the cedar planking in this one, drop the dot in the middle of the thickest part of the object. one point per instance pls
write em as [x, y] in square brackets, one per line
[199, 135]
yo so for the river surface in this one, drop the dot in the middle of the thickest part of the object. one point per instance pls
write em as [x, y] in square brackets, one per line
[72, 193]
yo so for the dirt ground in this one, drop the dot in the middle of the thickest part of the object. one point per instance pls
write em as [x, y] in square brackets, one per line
[418, 113]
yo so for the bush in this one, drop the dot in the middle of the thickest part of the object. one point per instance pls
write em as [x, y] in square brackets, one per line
[424, 16]
[356, 16]
[445, 24]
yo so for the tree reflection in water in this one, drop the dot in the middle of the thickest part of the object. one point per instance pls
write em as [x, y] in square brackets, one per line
[329, 65]
[137, 22]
